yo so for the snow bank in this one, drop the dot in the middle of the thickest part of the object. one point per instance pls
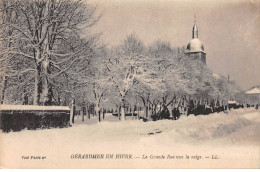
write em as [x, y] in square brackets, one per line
[234, 137]
[32, 107]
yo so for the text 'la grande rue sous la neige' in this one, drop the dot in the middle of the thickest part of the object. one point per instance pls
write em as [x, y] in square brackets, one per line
[130, 156]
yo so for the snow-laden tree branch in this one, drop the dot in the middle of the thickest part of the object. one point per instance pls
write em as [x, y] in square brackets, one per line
[36, 31]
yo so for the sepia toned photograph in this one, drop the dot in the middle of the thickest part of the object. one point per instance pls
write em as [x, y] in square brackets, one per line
[129, 84]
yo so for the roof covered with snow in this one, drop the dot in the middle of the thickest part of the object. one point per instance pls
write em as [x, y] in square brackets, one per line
[32, 107]
[255, 90]
[195, 45]
[231, 102]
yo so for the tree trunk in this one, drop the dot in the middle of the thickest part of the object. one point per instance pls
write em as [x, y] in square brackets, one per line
[83, 113]
[170, 110]
[99, 118]
[215, 103]
[146, 106]
[3, 89]
[88, 112]
[149, 113]
[196, 102]
[133, 110]
[123, 108]
[145, 111]
[123, 113]
[160, 108]
[97, 111]
[37, 86]
[25, 99]
[97, 108]
[59, 102]
[74, 110]
[9, 16]
[103, 114]
[47, 93]
[138, 115]
[118, 112]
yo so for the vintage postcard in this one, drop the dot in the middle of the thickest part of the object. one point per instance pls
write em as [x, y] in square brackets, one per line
[126, 84]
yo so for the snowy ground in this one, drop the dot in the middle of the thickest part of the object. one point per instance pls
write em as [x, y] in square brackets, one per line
[190, 142]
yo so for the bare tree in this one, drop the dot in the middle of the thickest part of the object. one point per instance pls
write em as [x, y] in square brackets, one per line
[46, 26]
[7, 37]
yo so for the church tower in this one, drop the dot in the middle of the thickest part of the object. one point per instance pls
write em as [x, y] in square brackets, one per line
[195, 48]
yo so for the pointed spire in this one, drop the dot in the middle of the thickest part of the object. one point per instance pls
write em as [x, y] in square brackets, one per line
[195, 31]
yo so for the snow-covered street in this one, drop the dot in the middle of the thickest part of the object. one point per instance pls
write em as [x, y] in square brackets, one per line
[216, 140]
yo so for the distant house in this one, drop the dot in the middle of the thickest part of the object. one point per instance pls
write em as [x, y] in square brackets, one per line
[253, 95]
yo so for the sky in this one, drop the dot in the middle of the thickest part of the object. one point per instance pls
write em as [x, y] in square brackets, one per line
[229, 30]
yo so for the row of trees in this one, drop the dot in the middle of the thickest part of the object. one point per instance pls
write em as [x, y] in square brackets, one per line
[159, 78]
[50, 57]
